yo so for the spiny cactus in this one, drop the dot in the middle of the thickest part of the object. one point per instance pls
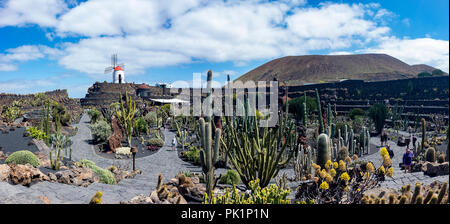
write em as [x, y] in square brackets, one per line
[125, 115]
[97, 198]
[319, 114]
[424, 133]
[418, 196]
[323, 150]
[209, 153]
[258, 152]
[342, 153]
[430, 155]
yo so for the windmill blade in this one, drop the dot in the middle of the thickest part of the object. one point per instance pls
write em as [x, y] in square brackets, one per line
[108, 70]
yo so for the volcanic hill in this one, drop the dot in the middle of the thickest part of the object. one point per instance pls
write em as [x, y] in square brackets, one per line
[299, 70]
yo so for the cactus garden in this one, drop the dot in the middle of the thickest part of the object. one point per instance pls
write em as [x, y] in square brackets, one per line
[293, 102]
[312, 155]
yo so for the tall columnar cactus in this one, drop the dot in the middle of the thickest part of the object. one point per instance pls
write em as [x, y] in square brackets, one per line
[125, 115]
[321, 125]
[323, 149]
[208, 153]
[304, 114]
[302, 162]
[424, 133]
[329, 116]
[44, 122]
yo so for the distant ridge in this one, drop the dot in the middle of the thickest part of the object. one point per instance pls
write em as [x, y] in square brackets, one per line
[298, 70]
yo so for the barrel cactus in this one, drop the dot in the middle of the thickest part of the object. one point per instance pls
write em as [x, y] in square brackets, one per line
[323, 150]
[342, 153]
[430, 155]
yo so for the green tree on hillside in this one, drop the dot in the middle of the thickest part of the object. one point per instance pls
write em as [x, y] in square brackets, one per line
[378, 113]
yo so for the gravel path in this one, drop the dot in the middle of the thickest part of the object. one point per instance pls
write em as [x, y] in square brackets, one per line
[400, 178]
[164, 161]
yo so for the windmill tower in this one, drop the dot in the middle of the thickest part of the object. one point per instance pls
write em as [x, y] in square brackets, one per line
[117, 69]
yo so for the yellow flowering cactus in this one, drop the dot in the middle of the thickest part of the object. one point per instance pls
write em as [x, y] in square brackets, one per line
[383, 152]
[382, 170]
[328, 164]
[387, 162]
[390, 172]
[332, 172]
[370, 168]
[342, 166]
[335, 165]
[344, 176]
[268, 195]
[324, 186]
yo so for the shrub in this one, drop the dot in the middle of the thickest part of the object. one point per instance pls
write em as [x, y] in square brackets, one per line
[296, 105]
[437, 72]
[106, 176]
[430, 155]
[231, 178]
[140, 125]
[11, 113]
[356, 112]
[156, 141]
[193, 155]
[424, 74]
[100, 131]
[94, 114]
[152, 147]
[60, 114]
[151, 118]
[37, 134]
[23, 157]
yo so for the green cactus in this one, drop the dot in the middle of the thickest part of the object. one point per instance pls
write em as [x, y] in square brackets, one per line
[424, 133]
[208, 154]
[430, 155]
[321, 125]
[323, 150]
[58, 142]
[442, 193]
[258, 152]
[125, 115]
[329, 116]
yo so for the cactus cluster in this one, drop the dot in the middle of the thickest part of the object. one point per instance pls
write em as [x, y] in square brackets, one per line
[418, 196]
[258, 152]
[125, 115]
[209, 153]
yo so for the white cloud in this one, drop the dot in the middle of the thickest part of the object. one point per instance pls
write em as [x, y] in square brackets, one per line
[14, 56]
[166, 33]
[22, 12]
[148, 34]
[416, 51]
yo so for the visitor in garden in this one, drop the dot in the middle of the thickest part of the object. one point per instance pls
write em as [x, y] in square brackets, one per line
[174, 143]
[390, 151]
[414, 139]
[407, 159]
[382, 138]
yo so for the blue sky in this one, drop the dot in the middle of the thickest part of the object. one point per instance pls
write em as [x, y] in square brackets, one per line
[57, 44]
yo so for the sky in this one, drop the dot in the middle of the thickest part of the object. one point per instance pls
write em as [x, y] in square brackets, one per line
[67, 44]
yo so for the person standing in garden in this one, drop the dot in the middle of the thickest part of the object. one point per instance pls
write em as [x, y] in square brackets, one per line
[174, 143]
[407, 159]
[390, 151]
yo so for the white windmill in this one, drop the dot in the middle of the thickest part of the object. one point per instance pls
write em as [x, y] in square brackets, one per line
[117, 69]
